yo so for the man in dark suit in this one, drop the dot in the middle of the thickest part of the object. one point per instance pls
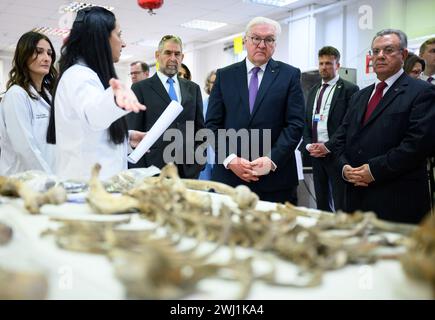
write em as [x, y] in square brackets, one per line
[156, 93]
[259, 95]
[327, 104]
[386, 136]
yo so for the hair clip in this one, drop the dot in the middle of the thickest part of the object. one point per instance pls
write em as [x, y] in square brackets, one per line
[81, 14]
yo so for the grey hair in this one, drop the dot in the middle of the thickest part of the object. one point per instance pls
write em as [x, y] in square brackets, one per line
[171, 38]
[262, 20]
[402, 36]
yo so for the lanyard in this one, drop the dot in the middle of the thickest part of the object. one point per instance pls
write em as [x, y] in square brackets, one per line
[327, 98]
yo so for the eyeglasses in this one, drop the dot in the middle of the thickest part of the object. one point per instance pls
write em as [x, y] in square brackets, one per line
[269, 41]
[387, 51]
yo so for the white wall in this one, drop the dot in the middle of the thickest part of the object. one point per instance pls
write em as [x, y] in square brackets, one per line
[5, 67]
[301, 36]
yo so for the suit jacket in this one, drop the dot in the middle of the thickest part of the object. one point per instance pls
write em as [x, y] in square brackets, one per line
[339, 106]
[395, 141]
[279, 107]
[154, 96]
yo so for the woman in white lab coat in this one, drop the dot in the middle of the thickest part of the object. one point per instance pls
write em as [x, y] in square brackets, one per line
[87, 121]
[25, 108]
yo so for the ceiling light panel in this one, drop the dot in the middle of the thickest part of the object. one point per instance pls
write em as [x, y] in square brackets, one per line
[203, 25]
[76, 6]
[274, 3]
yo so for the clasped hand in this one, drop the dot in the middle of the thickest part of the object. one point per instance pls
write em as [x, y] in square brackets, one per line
[318, 150]
[250, 170]
[360, 177]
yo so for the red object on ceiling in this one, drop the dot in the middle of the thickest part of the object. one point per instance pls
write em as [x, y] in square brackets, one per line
[150, 4]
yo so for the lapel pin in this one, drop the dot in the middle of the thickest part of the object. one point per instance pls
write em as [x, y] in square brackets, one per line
[273, 70]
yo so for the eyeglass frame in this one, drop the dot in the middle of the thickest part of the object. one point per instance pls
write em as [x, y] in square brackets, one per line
[268, 41]
[388, 51]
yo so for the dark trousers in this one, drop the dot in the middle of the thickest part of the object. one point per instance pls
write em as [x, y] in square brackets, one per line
[328, 184]
[282, 196]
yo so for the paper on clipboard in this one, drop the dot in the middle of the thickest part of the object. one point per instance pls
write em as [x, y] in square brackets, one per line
[163, 122]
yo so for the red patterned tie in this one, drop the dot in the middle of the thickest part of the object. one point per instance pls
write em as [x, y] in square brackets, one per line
[318, 105]
[374, 101]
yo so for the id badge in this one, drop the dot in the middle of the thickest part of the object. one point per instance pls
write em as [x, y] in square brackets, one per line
[316, 117]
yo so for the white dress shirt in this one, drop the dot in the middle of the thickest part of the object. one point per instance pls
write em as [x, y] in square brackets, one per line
[164, 79]
[84, 111]
[23, 133]
[390, 81]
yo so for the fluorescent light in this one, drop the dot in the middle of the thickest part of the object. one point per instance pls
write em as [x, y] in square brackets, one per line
[52, 31]
[203, 25]
[275, 3]
[76, 6]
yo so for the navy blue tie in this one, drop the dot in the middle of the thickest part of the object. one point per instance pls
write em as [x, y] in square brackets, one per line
[172, 93]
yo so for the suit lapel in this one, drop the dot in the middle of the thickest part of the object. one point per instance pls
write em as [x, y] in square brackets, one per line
[269, 76]
[339, 89]
[386, 100]
[310, 103]
[364, 100]
[158, 87]
[241, 76]
[184, 91]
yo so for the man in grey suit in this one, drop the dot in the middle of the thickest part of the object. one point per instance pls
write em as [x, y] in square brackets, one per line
[327, 104]
[156, 93]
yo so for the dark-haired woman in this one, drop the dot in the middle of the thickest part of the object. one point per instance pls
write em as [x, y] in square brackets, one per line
[413, 65]
[184, 72]
[87, 122]
[25, 108]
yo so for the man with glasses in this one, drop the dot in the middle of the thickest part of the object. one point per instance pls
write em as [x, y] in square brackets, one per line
[258, 95]
[139, 71]
[386, 136]
[157, 93]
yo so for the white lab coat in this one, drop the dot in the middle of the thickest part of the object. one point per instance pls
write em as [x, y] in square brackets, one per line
[23, 132]
[84, 110]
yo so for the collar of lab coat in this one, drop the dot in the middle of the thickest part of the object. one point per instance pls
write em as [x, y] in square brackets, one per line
[40, 99]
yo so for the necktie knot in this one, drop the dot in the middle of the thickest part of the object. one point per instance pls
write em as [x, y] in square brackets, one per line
[325, 85]
[170, 81]
[255, 70]
[381, 86]
[430, 79]
[375, 99]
